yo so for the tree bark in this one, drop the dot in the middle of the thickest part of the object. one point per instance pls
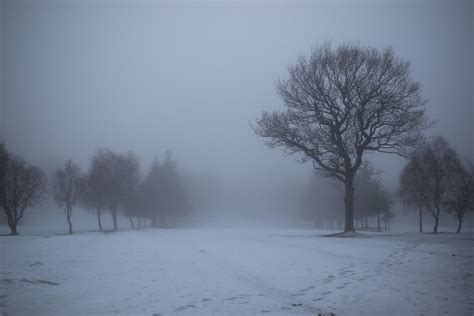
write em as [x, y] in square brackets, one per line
[349, 205]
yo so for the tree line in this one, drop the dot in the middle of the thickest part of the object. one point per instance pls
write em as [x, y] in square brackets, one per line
[112, 184]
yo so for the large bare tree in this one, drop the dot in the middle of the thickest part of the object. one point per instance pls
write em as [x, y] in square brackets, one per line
[23, 186]
[68, 186]
[342, 103]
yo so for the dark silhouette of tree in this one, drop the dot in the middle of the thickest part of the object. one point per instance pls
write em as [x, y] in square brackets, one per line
[342, 103]
[4, 157]
[68, 186]
[117, 178]
[23, 186]
[433, 170]
[460, 200]
[164, 194]
[387, 217]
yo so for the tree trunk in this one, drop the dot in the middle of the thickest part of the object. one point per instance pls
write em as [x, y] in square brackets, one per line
[459, 224]
[367, 222]
[69, 224]
[139, 222]
[114, 218]
[349, 206]
[378, 222]
[131, 222]
[13, 228]
[98, 219]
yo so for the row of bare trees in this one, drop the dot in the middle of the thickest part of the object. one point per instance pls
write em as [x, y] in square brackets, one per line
[436, 180]
[113, 183]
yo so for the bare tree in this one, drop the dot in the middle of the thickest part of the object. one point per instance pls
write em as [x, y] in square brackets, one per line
[94, 197]
[118, 178]
[461, 197]
[437, 166]
[23, 186]
[342, 103]
[68, 185]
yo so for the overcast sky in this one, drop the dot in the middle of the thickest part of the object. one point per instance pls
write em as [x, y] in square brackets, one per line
[190, 76]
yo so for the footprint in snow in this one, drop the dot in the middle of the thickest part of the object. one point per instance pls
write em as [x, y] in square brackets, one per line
[182, 308]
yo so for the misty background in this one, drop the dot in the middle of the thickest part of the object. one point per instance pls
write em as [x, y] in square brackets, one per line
[191, 77]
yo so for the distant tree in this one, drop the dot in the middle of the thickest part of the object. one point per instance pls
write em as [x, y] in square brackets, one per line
[92, 199]
[387, 217]
[366, 188]
[4, 157]
[412, 191]
[164, 193]
[437, 166]
[343, 103]
[68, 186]
[460, 200]
[371, 199]
[23, 186]
[135, 206]
[321, 202]
[382, 204]
[117, 177]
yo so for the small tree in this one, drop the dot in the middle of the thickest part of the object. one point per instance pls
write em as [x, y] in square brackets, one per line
[96, 193]
[23, 186]
[117, 177]
[436, 165]
[461, 197]
[343, 103]
[164, 194]
[68, 185]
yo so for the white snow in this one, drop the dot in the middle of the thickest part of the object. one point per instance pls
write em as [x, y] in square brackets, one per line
[236, 272]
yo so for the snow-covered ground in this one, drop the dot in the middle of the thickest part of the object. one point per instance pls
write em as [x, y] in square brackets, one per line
[236, 271]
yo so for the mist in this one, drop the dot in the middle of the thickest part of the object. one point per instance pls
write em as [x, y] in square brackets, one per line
[193, 77]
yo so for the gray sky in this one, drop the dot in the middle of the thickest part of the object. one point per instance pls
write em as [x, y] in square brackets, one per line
[190, 76]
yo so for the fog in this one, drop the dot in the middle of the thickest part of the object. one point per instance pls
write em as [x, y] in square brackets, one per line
[191, 77]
